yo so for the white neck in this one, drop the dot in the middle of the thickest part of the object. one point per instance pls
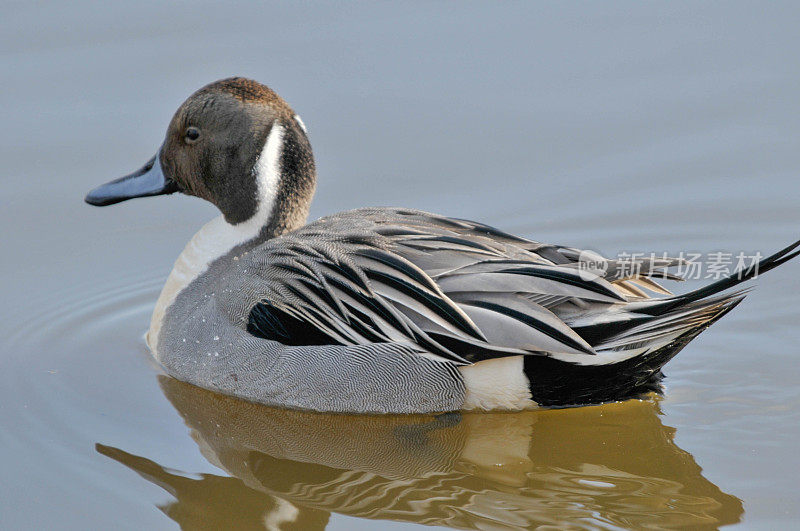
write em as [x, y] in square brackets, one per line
[218, 237]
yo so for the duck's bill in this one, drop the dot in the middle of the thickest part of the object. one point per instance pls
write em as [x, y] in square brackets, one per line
[145, 182]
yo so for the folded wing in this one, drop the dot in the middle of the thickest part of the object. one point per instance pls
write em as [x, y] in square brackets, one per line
[456, 289]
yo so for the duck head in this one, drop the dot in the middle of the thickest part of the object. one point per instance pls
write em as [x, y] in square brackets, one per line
[234, 143]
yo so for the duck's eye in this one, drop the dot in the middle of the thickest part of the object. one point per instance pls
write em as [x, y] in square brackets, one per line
[192, 134]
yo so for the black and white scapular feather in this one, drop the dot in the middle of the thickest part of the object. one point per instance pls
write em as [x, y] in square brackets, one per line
[387, 309]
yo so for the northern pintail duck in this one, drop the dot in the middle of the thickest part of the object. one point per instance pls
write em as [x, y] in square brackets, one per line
[387, 310]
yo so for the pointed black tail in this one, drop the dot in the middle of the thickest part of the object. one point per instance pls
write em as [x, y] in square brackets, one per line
[742, 275]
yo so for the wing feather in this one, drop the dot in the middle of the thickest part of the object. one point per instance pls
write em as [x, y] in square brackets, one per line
[458, 290]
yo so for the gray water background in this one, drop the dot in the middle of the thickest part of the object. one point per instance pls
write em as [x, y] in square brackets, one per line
[621, 126]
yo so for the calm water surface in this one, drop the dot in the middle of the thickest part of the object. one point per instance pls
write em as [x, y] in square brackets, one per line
[621, 127]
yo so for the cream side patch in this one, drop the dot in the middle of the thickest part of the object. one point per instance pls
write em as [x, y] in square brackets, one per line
[497, 384]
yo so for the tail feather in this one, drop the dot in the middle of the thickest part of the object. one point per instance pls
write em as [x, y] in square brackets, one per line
[655, 331]
[558, 383]
[654, 312]
[635, 341]
[741, 275]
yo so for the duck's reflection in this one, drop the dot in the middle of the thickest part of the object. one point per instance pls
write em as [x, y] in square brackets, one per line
[609, 466]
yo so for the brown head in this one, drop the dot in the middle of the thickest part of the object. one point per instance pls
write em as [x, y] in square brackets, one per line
[237, 144]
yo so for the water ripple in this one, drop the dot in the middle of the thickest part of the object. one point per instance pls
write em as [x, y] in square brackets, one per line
[611, 466]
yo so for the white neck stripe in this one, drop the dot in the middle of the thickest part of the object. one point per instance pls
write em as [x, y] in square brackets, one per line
[300, 122]
[267, 172]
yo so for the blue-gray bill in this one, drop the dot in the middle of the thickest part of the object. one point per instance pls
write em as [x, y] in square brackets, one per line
[147, 181]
